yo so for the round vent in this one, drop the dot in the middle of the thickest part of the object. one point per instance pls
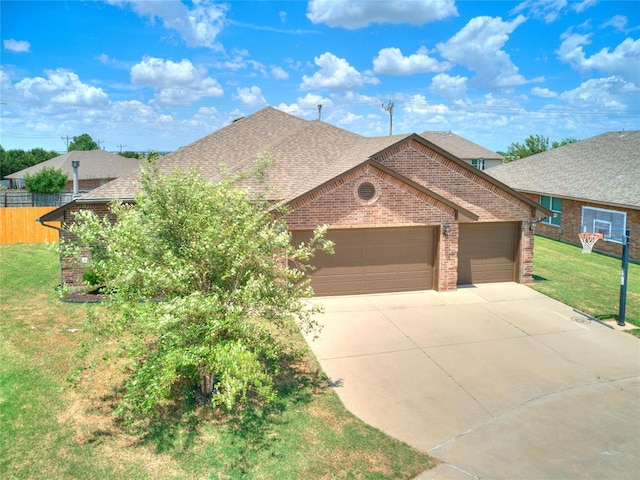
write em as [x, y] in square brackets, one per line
[366, 191]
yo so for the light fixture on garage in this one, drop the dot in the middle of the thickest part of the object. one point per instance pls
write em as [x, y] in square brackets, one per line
[446, 229]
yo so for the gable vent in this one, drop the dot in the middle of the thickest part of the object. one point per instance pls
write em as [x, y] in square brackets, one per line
[366, 191]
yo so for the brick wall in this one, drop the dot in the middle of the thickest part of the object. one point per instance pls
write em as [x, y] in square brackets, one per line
[570, 227]
[72, 269]
[468, 189]
[396, 204]
[456, 183]
[87, 184]
[447, 271]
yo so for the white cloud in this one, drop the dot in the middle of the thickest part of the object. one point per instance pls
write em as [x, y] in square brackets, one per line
[239, 60]
[335, 74]
[618, 22]
[547, 10]
[60, 88]
[349, 118]
[307, 106]
[198, 26]
[279, 73]
[584, 5]
[175, 83]
[543, 92]
[479, 47]
[17, 46]
[356, 14]
[390, 61]
[251, 97]
[623, 60]
[451, 88]
[611, 93]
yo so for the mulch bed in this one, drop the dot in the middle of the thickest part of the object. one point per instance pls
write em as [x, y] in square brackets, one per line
[83, 297]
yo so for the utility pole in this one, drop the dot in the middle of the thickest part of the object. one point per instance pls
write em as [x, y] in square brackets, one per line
[99, 142]
[66, 140]
[389, 108]
[120, 147]
[319, 112]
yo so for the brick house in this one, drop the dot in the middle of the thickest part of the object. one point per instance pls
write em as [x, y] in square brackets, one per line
[404, 213]
[96, 168]
[592, 185]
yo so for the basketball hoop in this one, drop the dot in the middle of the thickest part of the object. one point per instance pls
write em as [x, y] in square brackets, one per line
[589, 240]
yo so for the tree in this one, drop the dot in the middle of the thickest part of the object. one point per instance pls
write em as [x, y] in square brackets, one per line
[12, 161]
[48, 180]
[83, 142]
[129, 154]
[532, 144]
[564, 141]
[202, 283]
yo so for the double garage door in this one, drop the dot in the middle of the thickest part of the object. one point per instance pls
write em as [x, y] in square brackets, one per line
[377, 260]
[374, 260]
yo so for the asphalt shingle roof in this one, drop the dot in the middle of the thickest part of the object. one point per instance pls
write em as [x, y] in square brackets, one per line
[601, 169]
[304, 154]
[93, 164]
[460, 147]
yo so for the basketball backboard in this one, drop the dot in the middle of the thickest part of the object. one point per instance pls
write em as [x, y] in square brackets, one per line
[611, 224]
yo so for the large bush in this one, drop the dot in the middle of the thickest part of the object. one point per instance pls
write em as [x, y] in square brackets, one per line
[47, 180]
[203, 283]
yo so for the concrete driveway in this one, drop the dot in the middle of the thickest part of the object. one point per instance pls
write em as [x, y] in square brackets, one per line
[497, 381]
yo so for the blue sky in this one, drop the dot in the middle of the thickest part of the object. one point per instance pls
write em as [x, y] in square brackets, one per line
[140, 75]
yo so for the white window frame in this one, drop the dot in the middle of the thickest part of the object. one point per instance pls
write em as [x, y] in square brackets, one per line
[478, 163]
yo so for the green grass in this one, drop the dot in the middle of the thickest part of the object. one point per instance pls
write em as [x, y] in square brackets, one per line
[589, 283]
[52, 429]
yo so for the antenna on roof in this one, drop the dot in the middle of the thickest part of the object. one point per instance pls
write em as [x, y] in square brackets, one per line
[320, 112]
[389, 108]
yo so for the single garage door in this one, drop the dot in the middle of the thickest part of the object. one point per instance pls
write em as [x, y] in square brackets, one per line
[487, 252]
[374, 260]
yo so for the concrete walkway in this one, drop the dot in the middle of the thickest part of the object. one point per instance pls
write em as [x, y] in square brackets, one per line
[497, 381]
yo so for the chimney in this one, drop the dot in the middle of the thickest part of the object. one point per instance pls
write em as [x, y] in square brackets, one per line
[75, 164]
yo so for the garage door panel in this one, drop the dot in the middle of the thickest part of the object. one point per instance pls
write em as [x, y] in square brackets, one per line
[374, 260]
[487, 252]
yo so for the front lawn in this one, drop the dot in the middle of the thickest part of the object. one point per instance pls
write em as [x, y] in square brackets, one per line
[56, 420]
[589, 283]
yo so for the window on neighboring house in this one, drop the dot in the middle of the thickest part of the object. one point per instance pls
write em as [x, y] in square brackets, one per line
[555, 205]
[478, 163]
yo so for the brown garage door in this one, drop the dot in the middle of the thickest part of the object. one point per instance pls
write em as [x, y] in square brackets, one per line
[487, 252]
[374, 260]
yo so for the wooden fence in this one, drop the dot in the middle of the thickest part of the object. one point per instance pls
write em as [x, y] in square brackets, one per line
[18, 225]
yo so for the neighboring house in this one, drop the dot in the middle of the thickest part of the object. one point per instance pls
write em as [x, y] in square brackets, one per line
[96, 168]
[465, 150]
[592, 185]
[404, 213]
